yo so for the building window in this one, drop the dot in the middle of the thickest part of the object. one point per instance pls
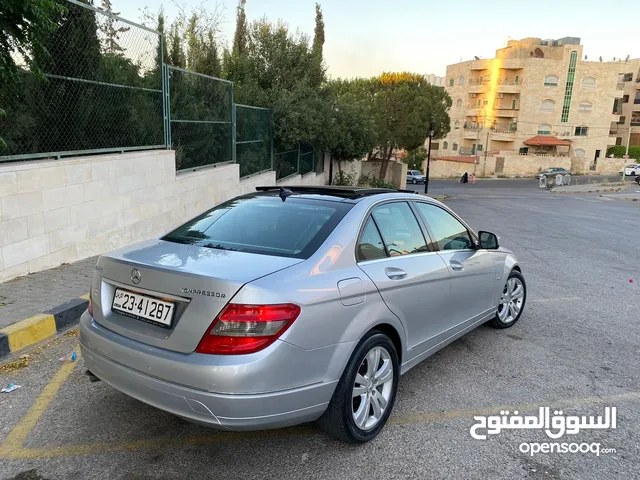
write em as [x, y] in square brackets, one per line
[619, 141]
[544, 129]
[461, 80]
[627, 77]
[459, 103]
[479, 147]
[486, 102]
[445, 146]
[435, 146]
[548, 105]
[479, 102]
[454, 147]
[588, 82]
[451, 82]
[635, 119]
[581, 131]
[551, 81]
[637, 99]
[579, 152]
[585, 107]
[568, 88]
[625, 99]
[622, 120]
[456, 125]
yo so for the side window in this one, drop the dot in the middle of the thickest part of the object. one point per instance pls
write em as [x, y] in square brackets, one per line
[448, 232]
[370, 246]
[400, 229]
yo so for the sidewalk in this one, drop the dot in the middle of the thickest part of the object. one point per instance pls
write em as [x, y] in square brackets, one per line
[36, 306]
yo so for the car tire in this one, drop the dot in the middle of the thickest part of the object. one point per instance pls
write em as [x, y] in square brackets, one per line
[339, 420]
[512, 304]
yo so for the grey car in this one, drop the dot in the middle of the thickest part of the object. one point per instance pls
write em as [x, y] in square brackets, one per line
[296, 304]
[553, 172]
[415, 176]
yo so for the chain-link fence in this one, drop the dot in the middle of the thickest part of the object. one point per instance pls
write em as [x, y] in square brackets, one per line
[104, 87]
[201, 118]
[254, 146]
[100, 89]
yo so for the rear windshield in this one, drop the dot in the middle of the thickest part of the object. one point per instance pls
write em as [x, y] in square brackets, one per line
[264, 224]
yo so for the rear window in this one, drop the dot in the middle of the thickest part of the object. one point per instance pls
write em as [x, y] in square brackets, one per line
[264, 224]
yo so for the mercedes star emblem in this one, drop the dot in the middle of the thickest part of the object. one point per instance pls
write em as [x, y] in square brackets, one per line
[136, 276]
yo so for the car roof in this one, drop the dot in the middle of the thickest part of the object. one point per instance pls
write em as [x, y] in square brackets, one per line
[336, 193]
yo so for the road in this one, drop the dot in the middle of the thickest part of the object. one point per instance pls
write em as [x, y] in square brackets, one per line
[575, 349]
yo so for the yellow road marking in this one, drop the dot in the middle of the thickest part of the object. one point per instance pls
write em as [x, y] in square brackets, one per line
[30, 331]
[12, 447]
[85, 296]
[14, 441]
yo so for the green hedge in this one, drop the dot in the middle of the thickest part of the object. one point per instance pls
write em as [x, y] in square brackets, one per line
[619, 151]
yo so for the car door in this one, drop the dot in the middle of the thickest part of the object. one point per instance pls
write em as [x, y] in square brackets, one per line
[411, 277]
[473, 271]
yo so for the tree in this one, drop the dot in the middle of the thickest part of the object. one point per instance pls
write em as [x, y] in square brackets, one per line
[240, 39]
[405, 107]
[23, 26]
[279, 71]
[110, 29]
[318, 37]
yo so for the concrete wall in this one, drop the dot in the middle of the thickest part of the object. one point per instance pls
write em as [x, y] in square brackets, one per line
[449, 169]
[60, 211]
[396, 172]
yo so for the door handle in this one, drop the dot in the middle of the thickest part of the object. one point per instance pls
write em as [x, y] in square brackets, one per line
[457, 266]
[395, 273]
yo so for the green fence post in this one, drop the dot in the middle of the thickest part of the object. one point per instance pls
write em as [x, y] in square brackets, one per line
[271, 136]
[233, 124]
[167, 100]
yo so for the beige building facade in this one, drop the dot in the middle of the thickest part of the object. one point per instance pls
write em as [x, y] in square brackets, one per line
[533, 87]
[628, 107]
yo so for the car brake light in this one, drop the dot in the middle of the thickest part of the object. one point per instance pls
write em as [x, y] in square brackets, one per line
[241, 329]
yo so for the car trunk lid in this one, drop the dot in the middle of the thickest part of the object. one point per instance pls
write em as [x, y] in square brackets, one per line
[198, 281]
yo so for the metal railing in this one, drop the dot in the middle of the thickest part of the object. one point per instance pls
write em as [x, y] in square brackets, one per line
[105, 88]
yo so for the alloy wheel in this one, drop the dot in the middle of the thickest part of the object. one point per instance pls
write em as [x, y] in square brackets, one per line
[372, 388]
[511, 301]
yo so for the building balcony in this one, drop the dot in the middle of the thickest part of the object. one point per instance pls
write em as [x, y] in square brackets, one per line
[480, 64]
[511, 63]
[509, 88]
[620, 86]
[471, 133]
[510, 112]
[503, 135]
[475, 88]
[474, 112]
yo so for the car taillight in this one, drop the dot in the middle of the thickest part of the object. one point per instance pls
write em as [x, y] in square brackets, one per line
[241, 329]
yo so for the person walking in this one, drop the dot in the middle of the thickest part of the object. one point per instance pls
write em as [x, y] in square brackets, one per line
[472, 178]
[464, 178]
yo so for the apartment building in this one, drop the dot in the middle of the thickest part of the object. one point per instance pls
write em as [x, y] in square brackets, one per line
[535, 97]
[628, 107]
[435, 80]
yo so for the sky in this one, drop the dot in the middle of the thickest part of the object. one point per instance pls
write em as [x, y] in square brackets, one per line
[365, 38]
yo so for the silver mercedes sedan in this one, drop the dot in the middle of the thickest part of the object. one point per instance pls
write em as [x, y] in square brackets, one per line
[295, 304]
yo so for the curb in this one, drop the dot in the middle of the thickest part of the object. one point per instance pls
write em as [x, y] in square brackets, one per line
[40, 327]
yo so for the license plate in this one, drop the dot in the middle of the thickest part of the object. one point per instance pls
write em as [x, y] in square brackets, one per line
[142, 307]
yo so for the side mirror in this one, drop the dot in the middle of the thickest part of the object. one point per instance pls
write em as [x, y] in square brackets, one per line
[488, 240]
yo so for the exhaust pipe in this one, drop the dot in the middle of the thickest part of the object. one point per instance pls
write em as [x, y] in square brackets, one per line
[92, 377]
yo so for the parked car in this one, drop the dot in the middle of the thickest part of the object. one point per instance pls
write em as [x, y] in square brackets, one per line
[629, 170]
[415, 176]
[553, 172]
[285, 306]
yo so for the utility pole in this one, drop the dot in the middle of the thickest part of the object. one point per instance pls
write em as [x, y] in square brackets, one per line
[626, 156]
[486, 151]
[475, 158]
[426, 180]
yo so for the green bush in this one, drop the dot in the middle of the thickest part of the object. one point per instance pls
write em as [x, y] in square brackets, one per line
[619, 151]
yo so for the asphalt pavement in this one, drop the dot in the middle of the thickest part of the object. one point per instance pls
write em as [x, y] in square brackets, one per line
[575, 349]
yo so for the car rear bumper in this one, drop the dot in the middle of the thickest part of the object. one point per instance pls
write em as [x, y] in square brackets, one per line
[221, 410]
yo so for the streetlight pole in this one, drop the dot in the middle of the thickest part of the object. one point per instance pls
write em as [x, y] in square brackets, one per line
[626, 156]
[426, 180]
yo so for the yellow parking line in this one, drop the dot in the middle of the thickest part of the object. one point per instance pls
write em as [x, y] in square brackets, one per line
[12, 447]
[12, 444]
